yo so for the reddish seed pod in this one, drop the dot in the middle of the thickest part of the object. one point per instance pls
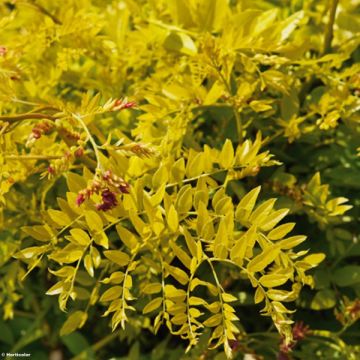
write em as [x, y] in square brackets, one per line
[121, 104]
[80, 199]
[79, 152]
[36, 133]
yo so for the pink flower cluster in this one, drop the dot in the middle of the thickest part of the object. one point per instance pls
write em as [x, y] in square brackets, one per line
[122, 104]
[299, 332]
[108, 185]
[41, 128]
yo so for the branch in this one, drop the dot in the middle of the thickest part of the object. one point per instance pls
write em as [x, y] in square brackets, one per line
[16, 118]
[42, 10]
[32, 157]
[329, 31]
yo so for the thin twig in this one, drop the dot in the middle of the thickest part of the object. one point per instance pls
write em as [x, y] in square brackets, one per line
[16, 118]
[32, 157]
[42, 10]
[91, 139]
[239, 125]
[329, 31]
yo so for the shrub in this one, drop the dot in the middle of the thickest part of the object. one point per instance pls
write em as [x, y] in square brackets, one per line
[150, 152]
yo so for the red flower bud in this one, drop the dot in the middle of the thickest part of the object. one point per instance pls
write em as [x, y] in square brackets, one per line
[80, 199]
[79, 152]
[109, 200]
[36, 133]
[121, 104]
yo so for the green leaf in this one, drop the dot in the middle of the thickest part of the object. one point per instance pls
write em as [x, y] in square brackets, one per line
[190, 242]
[181, 254]
[280, 231]
[348, 275]
[6, 335]
[226, 158]
[89, 265]
[273, 219]
[195, 166]
[238, 251]
[291, 242]
[213, 320]
[116, 277]
[38, 232]
[127, 237]
[261, 261]
[80, 237]
[118, 257]
[260, 105]
[111, 294]
[31, 252]
[153, 305]
[152, 288]
[246, 205]
[273, 280]
[228, 297]
[160, 177]
[93, 221]
[314, 259]
[324, 299]
[56, 289]
[261, 212]
[59, 217]
[216, 91]
[178, 170]
[178, 274]
[101, 239]
[172, 219]
[76, 343]
[75, 321]
[184, 199]
[180, 42]
[75, 182]
[95, 256]
[249, 200]
[221, 241]
[196, 301]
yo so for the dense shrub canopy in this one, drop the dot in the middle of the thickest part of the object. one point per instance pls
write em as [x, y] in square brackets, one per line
[180, 179]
